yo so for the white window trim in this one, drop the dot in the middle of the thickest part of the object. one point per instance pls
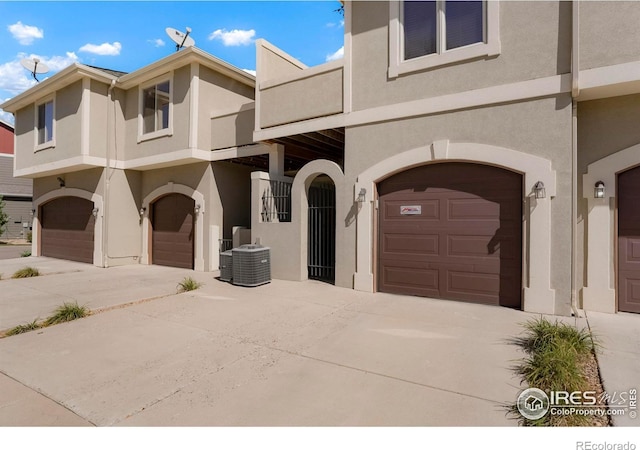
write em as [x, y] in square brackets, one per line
[165, 131]
[48, 144]
[398, 66]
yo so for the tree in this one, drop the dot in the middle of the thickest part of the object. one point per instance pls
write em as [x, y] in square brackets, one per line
[4, 218]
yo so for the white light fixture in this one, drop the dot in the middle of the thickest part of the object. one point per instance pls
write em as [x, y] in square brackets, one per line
[197, 209]
[142, 210]
[539, 190]
[95, 212]
[598, 190]
[362, 195]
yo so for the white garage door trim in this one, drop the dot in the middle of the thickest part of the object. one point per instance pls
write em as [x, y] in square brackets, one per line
[538, 295]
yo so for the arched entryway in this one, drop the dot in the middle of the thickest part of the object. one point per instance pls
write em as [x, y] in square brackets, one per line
[172, 238]
[629, 240]
[321, 247]
[452, 231]
[67, 229]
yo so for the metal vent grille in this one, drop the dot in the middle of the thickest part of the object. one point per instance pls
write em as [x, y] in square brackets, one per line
[251, 265]
[226, 265]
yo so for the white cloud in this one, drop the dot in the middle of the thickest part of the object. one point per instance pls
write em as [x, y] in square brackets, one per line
[5, 116]
[337, 55]
[104, 49]
[25, 34]
[334, 24]
[156, 42]
[251, 72]
[15, 79]
[234, 37]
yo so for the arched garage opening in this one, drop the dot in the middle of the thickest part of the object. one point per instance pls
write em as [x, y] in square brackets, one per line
[452, 231]
[67, 229]
[172, 236]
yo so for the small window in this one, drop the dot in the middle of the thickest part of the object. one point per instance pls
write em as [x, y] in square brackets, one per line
[45, 122]
[155, 111]
[438, 26]
[427, 34]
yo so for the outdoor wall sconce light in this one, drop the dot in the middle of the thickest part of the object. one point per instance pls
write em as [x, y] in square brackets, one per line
[142, 210]
[539, 190]
[598, 190]
[362, 195]
[95, 212]
[61, 181]
[197, 209]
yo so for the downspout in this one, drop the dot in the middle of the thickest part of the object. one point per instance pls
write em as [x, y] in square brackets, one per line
[105, 203]
[575, 92]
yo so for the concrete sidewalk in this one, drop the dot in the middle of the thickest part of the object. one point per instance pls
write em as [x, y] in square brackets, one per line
[24, 300]
[619, 356]
[285, 353]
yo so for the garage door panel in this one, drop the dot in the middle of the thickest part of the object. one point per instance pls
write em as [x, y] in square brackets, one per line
[411, 243]
[412, 280]
[474, 241]
[629, 241]
[68, 229]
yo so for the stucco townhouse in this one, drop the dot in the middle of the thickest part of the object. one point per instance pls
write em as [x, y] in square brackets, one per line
[479, 151]
[148, 167]
[475, 151]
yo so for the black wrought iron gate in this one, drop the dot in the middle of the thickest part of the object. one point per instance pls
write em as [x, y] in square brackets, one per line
[322, 232]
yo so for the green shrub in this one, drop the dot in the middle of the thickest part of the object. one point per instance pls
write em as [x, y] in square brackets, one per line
[29, 237]
[25, 253]
[24, 328]
[66, 313]
[26, 273]
[556, 354]
[188, 284]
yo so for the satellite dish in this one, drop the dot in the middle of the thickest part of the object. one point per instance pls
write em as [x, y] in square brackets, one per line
[181, 39]
[34, 66]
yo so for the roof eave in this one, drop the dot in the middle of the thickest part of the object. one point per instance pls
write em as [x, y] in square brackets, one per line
[179, 59]
[63, 78]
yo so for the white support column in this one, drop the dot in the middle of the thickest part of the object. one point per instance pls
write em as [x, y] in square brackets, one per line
[538, 295]
[363, 277]
[276, 160]
[598, 294]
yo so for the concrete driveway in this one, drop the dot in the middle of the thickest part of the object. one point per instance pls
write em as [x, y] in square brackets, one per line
[286, 353]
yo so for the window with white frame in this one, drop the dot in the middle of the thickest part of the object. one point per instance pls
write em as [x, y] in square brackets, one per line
[44, 123]
[156, 107]
[426, 34]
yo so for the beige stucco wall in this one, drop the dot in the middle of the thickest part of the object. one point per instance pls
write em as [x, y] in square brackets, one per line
[123, 228]
[608, 33]
[220, 96]
[317, 96]
[99, 104]
[605, 127]
[535, 42]
[68, 120]
[88, 180]
[230, 197]
[541, 128]
[179, 120]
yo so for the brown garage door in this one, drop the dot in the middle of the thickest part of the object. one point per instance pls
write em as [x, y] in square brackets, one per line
[172, 222]
[629, 241]
[452, 231]
[67, 229]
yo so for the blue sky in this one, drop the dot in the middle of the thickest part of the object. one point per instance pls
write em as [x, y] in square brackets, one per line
[129, 35]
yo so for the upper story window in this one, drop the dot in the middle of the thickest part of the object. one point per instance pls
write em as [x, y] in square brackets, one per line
[45, 123]
[427, 34]
[155, 110]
